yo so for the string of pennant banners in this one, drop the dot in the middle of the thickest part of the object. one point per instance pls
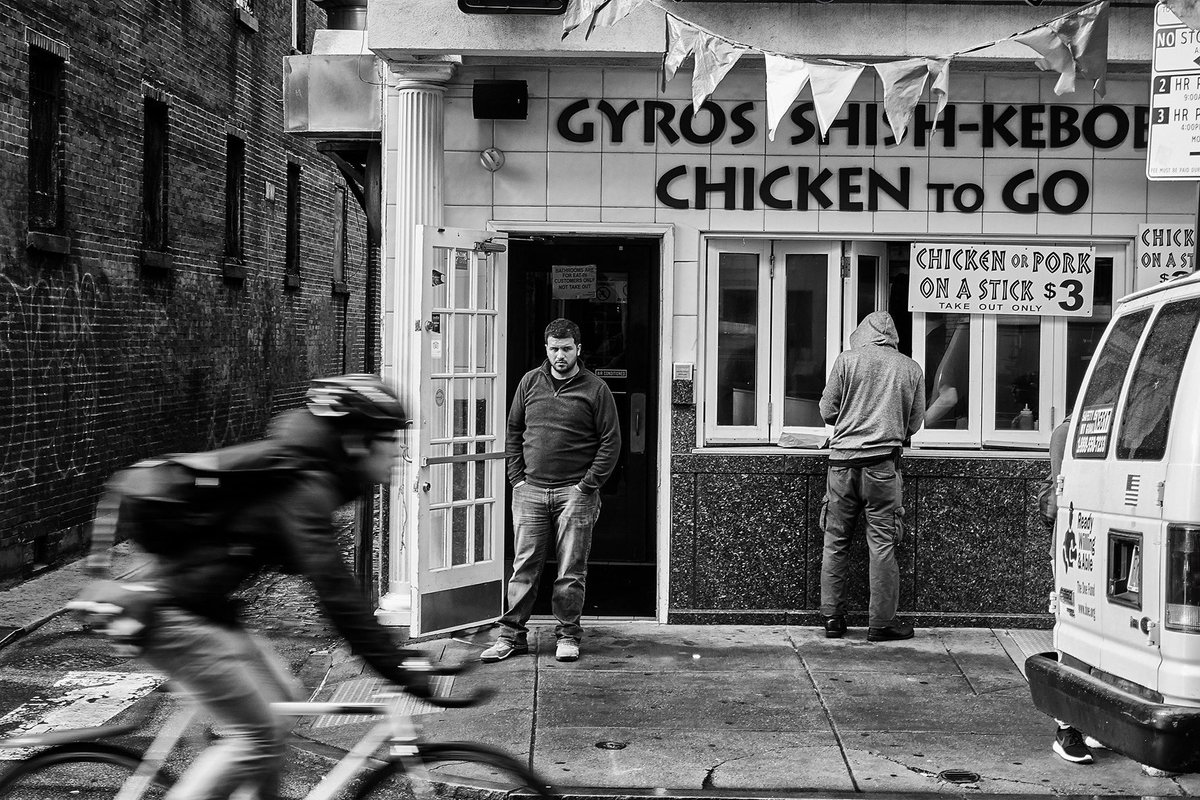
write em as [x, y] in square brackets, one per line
[1075, 45]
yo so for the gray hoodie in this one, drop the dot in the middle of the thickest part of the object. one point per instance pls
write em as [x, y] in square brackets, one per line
[875, 396]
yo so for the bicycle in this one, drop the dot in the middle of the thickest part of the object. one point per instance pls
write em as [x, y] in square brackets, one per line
[85, 764]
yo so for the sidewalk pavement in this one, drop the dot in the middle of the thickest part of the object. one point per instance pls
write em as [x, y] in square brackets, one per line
[730, 711]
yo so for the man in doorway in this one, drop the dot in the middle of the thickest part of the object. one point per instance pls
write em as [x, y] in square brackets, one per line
[562, 444]
[875, 400]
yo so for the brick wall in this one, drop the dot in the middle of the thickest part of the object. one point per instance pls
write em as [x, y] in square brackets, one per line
[103, 360]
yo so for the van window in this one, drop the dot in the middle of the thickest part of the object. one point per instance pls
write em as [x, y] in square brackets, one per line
[1146, 418]
[1094, 425]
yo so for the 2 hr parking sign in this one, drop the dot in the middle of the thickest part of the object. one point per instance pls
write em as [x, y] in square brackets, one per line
[1173, 152]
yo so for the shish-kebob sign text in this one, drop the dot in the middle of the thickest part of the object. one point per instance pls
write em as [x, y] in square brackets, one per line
[1002, 279]
[1017, 133]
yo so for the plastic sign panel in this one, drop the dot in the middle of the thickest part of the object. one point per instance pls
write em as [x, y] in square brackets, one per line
[1163, 252]
[1173, 153]
[1002, 279]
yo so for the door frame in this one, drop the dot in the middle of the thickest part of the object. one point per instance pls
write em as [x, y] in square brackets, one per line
[665, 234]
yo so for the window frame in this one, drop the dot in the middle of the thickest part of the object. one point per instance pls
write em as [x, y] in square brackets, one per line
[235, 197]
[156, 144]
[340, 220]
[845, 255]
[771, 307]
[292, 254]
[46, 75]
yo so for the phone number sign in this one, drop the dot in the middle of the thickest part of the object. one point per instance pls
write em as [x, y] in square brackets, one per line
[1173, 149]
[1002, 279]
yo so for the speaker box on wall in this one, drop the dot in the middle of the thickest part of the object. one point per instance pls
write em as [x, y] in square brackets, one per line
[491, 99]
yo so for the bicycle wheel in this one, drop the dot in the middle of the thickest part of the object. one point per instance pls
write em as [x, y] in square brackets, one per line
[85, 771]
[451, 770]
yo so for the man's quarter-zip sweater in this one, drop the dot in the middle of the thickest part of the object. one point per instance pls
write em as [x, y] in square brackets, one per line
[564, 437]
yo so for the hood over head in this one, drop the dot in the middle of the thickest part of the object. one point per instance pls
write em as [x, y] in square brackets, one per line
[878, 329]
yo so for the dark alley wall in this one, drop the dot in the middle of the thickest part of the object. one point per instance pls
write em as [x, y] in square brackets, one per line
[109, 350]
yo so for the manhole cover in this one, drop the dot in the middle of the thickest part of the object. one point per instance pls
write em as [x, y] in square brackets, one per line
[959, 776]
[607, 745]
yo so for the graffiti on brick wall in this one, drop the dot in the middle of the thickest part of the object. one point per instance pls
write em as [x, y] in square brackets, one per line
[49, 347]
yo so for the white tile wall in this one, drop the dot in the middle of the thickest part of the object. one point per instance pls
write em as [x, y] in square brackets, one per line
[684, 338]
[467, 182]
[528, 135]
[687, 288]
[522, 180]
[573, 179]
[627, 180]
[1119, 187]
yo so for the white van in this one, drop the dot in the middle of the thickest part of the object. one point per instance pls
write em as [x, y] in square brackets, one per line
[1127, 540]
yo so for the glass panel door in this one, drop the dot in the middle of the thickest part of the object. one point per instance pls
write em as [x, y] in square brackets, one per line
[460, 481]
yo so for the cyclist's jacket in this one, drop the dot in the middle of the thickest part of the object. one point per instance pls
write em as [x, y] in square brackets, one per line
[289, 529]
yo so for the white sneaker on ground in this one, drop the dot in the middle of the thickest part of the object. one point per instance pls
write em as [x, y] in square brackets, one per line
[566, 650]
[501, 650]
[1094, 744]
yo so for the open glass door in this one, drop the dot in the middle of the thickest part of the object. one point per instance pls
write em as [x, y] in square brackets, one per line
[459, 450]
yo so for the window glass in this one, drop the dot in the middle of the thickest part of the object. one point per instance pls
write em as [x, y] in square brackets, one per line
[805, 338]
[1084, 334]
[1018, 365]
[1146, 418]
[1099, 400]
[235, 193]
[737, 338]
[154, 175]
[292, 243]
[868, 276]
[947, 371]
[45, 81]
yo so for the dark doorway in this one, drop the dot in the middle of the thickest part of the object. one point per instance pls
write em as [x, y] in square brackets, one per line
[609, 287]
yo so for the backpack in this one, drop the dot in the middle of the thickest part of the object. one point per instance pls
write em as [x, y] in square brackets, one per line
[166, 505]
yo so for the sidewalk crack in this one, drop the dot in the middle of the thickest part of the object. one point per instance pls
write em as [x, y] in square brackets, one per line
[837, 736]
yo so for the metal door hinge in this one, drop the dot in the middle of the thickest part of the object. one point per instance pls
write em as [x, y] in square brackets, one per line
[1162, 490]
[845, 266]
[771, 265]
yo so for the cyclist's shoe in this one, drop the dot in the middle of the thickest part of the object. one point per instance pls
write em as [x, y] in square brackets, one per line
[1069, 745]
[566, 650]
[835, 627]
[501, 650]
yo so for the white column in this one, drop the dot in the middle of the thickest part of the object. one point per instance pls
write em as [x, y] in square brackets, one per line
[413, 167]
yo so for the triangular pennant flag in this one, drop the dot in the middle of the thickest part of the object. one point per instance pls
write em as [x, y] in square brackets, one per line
[903, 82]
[831, 85]
[786, 78]
[940, 87]
[714, 58]
[611, 13]
[1055, 55]
[579, 12]
[1188, 11]
[681, 41]
[1086, 33]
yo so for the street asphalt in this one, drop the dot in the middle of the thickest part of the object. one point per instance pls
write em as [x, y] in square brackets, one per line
[704, 711]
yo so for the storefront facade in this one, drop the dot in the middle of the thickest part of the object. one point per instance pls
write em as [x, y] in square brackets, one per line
[716, 273]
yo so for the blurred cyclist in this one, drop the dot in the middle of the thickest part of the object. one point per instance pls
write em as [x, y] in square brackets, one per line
[346, 441]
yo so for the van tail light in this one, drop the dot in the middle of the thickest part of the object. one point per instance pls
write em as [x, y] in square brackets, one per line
[1183, 578]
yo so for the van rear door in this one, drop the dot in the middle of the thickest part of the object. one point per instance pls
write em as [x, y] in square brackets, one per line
[1085, 508]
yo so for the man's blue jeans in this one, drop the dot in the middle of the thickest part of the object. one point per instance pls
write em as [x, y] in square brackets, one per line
[235, 677]
[876, 491]
[561, 518]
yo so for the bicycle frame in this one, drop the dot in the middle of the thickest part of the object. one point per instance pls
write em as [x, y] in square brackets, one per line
[394, 729]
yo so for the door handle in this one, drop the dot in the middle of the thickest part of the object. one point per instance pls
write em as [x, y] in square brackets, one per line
[637, 427]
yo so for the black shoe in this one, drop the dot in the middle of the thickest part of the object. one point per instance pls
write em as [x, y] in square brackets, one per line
[835, 627]
[1069, 745]
[895, 632]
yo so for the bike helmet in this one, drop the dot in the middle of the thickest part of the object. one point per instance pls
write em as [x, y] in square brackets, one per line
[361, 401]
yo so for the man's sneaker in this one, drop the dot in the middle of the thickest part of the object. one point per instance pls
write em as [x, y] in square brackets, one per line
[895, 632]
[1068, 744]
[835, 627]
[501, 650]
[567, 650]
